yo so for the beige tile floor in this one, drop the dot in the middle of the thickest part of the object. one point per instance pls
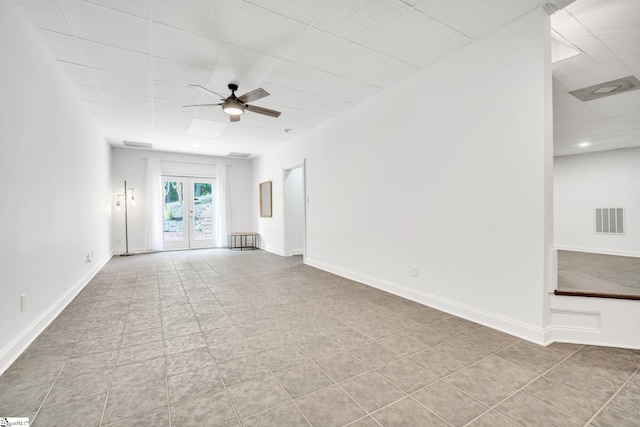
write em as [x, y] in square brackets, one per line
[221, 338]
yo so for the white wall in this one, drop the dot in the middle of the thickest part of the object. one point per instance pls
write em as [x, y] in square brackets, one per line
[606, 179]
[55, 170]
[131, 164]
[582, 183]
[456, 182]
[294, 211]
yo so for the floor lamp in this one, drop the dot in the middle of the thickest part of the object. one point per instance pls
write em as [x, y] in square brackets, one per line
[126, 219]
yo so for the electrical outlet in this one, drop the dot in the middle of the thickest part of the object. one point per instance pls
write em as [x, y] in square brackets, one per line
[23, 302]
[88, 259]
[414, 271]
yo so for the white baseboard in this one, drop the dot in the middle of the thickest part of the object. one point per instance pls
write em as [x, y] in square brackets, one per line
[273, 250]
[20, 343]
[509, 326]
[598, 251]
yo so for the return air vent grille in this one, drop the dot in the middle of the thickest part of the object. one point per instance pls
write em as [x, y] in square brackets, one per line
[610, 220]
[136, 144]
[241, 155]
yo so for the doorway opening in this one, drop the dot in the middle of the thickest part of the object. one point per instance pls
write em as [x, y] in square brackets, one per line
[294, 210]
[188, 206]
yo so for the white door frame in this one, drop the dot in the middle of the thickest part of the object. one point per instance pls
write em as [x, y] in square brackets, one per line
[286, 249]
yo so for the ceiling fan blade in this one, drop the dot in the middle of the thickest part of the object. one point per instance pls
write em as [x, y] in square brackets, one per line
[206, 91]
[265, 111]
[253, 95]
[234, 117]
[202, 105]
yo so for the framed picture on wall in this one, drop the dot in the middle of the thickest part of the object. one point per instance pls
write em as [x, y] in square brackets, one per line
[265, 199]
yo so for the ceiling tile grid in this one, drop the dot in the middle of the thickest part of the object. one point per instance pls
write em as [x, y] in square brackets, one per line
[133, 62]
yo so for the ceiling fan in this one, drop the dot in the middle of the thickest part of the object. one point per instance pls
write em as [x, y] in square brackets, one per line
[234, 105]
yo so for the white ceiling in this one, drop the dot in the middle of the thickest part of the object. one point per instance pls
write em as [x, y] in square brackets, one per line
[132, 61]
[607, 34]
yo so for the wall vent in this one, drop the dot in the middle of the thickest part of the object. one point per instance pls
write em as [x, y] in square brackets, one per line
[610, 221]
[241, 155]
[135, 144]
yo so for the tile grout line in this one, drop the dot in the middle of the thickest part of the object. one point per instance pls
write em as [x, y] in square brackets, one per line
[113, 373]
[605, 404]
[521, 389]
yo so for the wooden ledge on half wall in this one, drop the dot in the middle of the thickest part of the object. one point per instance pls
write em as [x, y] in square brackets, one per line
[596, 295]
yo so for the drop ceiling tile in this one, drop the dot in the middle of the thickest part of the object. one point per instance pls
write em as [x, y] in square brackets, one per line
[179, 93]
[321, 105]
[133, 113]
[127, 100]
[141, 8]
[301, 10]
[264, 31]
[109, 58]
[279, 96]
[617, 16]
[78, 74]
[459, 14]
[624, 43]
[207, 113]
[418, 40]
[294, 76]
[500, 17]
[206, 128]
[323, 51]
[358, 20]
[584, 40]
[174, 120]
[183, 46]
[138, 125]
[205, 17]
[64, 47]
[343, 89]
[594, 75]
[572, 65]
[89, 93]
[633, 62]
[292, 115]
[178, 73]
[108, 26]
[247, 68]
[48, 15]
[172, 108]
[378, 69]
[122, 83]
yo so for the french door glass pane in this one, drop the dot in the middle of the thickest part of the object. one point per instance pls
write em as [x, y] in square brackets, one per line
[173, 229]
[202, 211]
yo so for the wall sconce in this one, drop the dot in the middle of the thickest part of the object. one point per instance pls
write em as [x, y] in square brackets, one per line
[125, 196]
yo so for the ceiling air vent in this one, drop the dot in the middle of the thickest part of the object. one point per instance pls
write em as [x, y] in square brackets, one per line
[614, 87]
[240, 155]
[135, 144]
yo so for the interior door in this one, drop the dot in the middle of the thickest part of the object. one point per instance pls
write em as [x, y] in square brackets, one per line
[189, 207]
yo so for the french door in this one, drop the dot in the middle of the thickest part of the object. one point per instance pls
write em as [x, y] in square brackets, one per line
[189, 206]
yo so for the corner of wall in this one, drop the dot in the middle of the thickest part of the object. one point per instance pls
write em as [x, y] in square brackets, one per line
[24, 339]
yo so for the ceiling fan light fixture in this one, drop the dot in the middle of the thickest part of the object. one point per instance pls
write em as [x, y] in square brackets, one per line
[232, 107]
